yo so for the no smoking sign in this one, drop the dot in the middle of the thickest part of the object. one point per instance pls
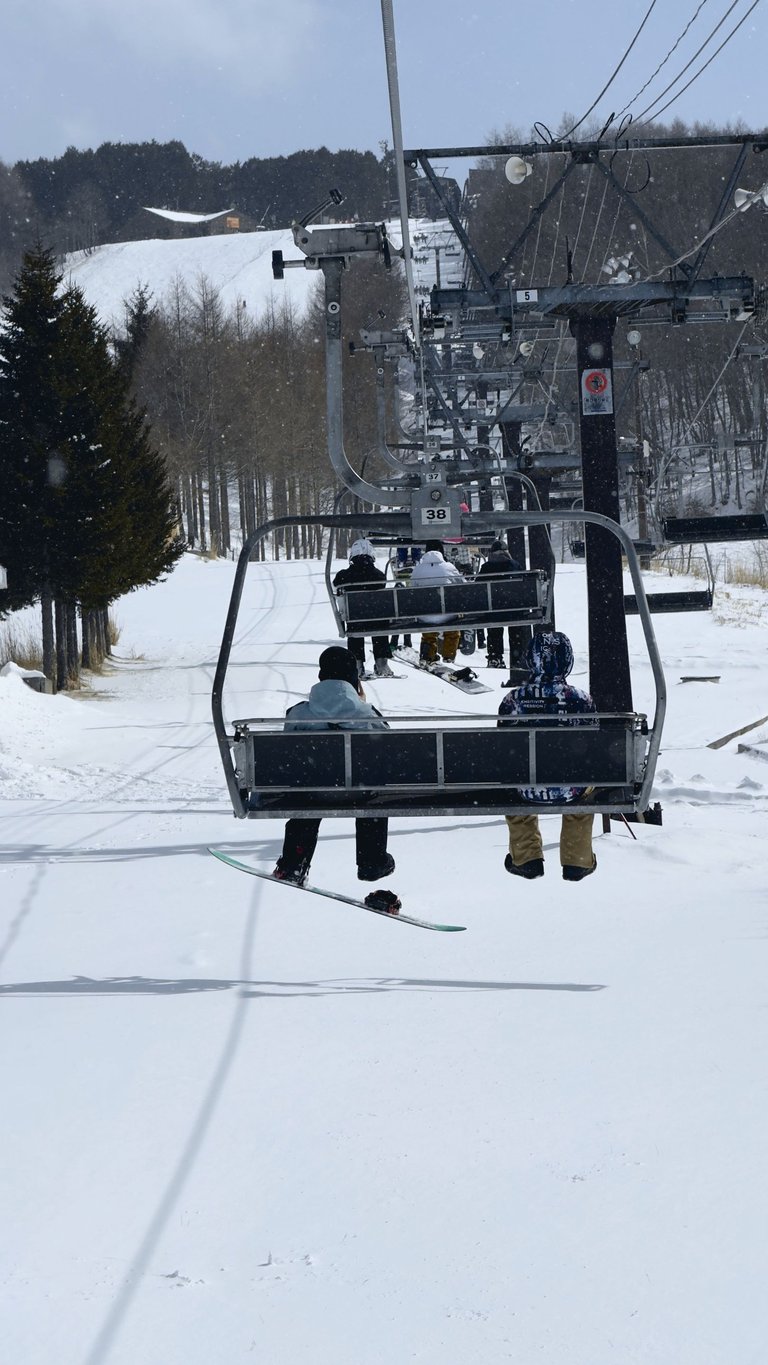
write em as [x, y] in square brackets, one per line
[596, 393]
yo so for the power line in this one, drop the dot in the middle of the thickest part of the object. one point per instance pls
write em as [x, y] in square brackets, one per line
[699, 50]
[663, 63]
[611, 79]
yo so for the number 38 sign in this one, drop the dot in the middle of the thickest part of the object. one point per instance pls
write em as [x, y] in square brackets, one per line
[596, 393]
[435, 516]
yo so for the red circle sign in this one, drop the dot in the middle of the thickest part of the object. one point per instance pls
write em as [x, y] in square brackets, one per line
[596, 381]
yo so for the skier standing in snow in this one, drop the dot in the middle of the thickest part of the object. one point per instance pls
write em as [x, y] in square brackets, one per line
[363, 574]
[433, 571]
[499, 564]
[336, 702]
[548, 697]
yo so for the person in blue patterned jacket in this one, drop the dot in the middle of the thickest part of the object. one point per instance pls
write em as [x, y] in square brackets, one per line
[547, 695]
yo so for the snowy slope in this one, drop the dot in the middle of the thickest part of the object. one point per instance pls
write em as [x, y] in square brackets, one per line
[243, 1124]
[239, 266]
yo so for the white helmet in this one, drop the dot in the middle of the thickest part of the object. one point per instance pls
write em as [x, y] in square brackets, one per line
[361, 547]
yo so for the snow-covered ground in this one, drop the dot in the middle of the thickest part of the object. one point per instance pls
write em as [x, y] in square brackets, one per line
[245, 1124]
[238, 265]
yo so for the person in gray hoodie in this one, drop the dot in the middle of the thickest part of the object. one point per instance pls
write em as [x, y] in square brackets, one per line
[336, 702]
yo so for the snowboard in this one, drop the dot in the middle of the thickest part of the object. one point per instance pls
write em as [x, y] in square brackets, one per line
[338, 896]
[467, 644]
[377, 677]
[447, 672]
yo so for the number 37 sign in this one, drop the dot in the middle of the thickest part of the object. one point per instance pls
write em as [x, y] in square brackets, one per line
[596, 393]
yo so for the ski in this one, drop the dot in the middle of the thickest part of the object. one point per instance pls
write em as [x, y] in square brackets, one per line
[457, 677]
[392, 913]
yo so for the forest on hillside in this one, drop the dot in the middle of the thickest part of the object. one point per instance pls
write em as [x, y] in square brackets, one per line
[237, 406]
[86, 198]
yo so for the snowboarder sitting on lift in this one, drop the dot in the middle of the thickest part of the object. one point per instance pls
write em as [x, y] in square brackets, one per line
[434, 571]
[362, 573]
[546, 694]
[500, 564]
[336, 702]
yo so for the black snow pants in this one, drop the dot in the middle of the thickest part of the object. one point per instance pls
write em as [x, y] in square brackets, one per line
[300, 841]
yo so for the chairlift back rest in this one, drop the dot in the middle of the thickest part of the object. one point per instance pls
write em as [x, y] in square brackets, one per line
[706, 530]
[666, 602]
[467, 770]
[522, 598]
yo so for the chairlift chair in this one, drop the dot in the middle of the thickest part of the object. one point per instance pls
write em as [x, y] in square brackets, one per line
[462, 767]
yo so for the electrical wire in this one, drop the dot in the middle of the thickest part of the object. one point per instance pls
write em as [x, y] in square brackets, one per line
[703, 68]
[662, 64]
[613, 76]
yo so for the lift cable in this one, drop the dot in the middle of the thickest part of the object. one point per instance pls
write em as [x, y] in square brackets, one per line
[612, 78]
[701, 69]
[663, 63]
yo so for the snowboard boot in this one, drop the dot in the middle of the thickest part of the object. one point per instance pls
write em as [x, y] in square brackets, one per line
[575, 874]
[533, 868]
[494, 661]
[373, 872]
[382, 668]
[297, 873]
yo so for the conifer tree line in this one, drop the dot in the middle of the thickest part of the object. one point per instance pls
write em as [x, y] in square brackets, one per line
[85, 198]
[86, 512]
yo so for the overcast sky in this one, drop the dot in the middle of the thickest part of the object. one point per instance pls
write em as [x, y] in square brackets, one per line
[233, 79]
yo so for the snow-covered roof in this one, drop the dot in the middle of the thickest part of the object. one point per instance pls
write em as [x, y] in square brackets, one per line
[177, 216]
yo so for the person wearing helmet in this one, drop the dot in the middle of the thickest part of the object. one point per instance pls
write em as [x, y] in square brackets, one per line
[363, 574]
[434, 571]
[336, 702]
[547, 696]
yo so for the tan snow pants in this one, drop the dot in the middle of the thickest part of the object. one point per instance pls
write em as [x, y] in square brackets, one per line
[575, 839]
[447, 642]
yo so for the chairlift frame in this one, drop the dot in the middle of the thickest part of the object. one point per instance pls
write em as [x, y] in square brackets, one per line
[622, 747]
[692, 599]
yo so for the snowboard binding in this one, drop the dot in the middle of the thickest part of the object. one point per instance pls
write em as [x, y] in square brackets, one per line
[383, 900]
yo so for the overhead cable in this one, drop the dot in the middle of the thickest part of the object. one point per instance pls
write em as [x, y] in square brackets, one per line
[663, 63]
[703, 68]
[613, 76]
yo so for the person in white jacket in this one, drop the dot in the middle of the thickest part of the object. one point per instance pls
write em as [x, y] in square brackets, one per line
[434, 571]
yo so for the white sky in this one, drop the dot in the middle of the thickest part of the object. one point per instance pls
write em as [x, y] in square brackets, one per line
[234, 79]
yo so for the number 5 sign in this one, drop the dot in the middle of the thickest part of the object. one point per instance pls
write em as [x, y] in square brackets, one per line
[596, 393]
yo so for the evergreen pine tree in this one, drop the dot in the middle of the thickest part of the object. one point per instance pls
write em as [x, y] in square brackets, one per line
[86, 513]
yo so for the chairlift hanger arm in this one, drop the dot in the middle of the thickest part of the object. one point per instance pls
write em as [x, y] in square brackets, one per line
[398, 523]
